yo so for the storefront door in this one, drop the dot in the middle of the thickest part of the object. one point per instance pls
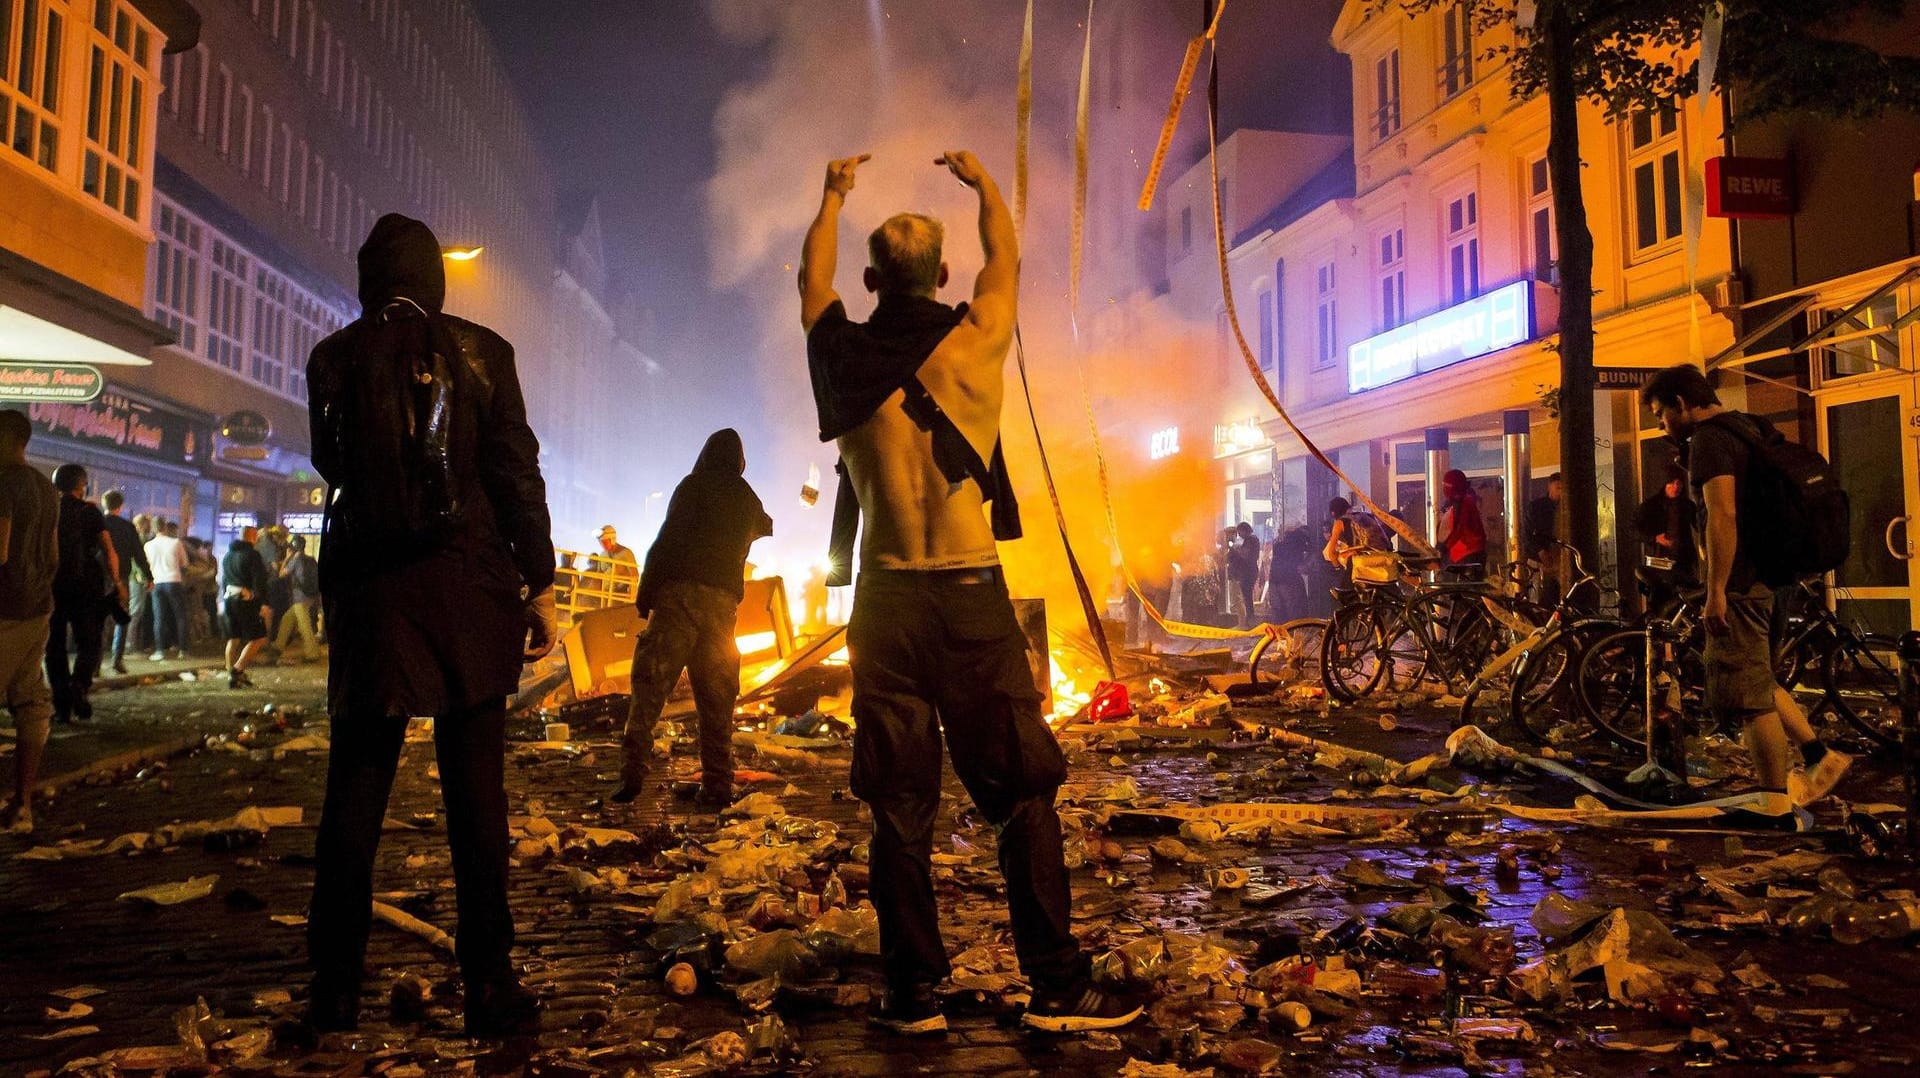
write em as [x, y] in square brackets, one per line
[1864, 432]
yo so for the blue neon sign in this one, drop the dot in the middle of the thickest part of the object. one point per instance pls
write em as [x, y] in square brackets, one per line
[1500, 319]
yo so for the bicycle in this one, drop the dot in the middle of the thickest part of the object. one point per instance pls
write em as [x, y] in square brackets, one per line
[1858, 677]
[1290, 655]
[1612, 683]
[1389, 625]
[1522, 684]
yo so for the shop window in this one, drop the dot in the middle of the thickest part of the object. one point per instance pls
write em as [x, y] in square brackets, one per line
[1463, 248]
[1456, 50]
[1393, 278]
[1653, 176]
[1872, 345]
[31, 36]
[1326, 341]
[1386, 95]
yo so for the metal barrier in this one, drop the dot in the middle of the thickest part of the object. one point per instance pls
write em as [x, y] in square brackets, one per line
[577, 591]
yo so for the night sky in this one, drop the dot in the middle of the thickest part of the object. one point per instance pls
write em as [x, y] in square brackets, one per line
[703, 129]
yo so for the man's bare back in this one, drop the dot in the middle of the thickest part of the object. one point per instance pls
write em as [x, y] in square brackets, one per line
[912, 520]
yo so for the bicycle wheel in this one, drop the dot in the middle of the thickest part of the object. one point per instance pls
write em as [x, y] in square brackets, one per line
[1612, 690]
[1863, 684]
[1460, 637]
[1294, 656]
[1541, 700]
[1350, 665]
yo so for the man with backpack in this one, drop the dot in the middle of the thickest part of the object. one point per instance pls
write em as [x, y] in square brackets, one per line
[1763, 499]
[1352, 533]
[302, 577]
[437, 577]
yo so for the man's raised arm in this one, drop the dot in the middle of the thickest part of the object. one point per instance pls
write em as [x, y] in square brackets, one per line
[996, 292]
[820, 253]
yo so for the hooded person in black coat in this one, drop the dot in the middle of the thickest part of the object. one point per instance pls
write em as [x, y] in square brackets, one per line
[690, 594]
[437, 578]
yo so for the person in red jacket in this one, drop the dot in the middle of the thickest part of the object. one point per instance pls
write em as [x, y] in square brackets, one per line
[1463, 532]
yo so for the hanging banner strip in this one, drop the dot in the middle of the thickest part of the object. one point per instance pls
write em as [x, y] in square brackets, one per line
[1181, 87]
[1023, 133]
[1413, 539]
[1023, 127]
[1076, 256]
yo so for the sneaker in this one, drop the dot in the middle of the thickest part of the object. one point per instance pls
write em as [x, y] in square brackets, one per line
[1078, 1008]
[501, 1009]
[119, 666]
[630, 788]
[713, 798]
[157, 657]
[1822, 777]
[332, 1007]
[83, 709]
[18, 822]
[911, 1012]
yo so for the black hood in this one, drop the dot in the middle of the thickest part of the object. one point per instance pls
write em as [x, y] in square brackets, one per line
[722, 455]
[401, 258]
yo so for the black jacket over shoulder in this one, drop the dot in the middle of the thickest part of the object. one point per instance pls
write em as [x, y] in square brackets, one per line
[428, 631]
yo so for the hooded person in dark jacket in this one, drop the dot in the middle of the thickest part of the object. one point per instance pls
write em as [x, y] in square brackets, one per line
[690, 594]
[437, 578]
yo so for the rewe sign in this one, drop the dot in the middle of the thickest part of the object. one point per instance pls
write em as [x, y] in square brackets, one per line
[1749, 187]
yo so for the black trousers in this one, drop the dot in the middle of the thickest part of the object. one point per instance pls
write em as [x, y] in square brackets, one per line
[934, 651]
[471, 749]
[85, 620]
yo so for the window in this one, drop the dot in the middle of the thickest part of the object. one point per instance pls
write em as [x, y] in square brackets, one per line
[226, 305]
[1653, 171]
[121, 54]
[1540, 228]
[1874, 345]
[30, 78]
[266, 147]
[176, 275]
[268, 359]
[1393, 278]
[1326, 347]
[246, 131]
[1265, 301]
[224, 113]
[1186, 229]
[1386, 95]
[1463, 248]
[1279, 317]
[1456, 50]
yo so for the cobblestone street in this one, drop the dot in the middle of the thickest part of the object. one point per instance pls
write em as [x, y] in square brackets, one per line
[1799, 1005]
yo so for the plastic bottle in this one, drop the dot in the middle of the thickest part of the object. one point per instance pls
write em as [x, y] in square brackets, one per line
[1810, 915]
[1859, 922]
[834, 893]
[1433, 825]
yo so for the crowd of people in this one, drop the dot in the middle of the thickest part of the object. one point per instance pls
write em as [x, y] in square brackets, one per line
[80, 583]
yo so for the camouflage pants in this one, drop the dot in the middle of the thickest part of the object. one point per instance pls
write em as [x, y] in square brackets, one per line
[691, 629]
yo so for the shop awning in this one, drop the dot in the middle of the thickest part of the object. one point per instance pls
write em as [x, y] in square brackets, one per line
[1835, 327]
[32, 339]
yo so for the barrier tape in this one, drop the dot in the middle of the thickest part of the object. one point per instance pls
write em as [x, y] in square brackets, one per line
[1182, 86]
[1080, 168]
[1023, 130]
[1400, 528]
[1023, 127]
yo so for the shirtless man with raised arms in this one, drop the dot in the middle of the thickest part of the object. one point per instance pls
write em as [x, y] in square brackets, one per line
[912, 397]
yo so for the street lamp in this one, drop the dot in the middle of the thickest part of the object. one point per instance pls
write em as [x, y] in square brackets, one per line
[461, 254]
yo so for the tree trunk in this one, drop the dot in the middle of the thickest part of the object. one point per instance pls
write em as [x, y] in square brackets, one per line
[1577, 469]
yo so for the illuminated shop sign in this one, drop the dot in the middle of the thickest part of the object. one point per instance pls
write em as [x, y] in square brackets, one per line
[49, 382]
[1231, 439]
[1164, 443]
[1500, 319]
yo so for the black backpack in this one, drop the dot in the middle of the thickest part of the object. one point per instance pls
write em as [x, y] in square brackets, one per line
[1795, 521]
[395, 429]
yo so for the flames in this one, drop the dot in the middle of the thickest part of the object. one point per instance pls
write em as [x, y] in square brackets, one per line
[1068, 696]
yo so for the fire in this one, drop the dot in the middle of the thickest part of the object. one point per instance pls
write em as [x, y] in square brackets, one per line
[1068, 697]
